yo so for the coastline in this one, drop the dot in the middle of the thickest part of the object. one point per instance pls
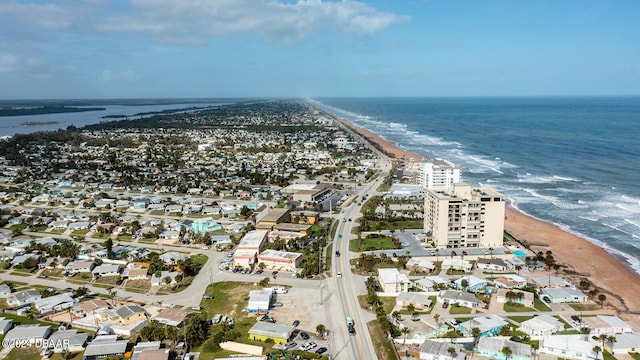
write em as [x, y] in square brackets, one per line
[582, 258]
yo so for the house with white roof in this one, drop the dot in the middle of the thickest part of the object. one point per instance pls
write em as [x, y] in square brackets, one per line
[488, 324]
[172, 257]
[492, 264]
[549, 282]
[456, 264]
[23, 298]
[104, 346]
[106, 270]
[71, 340]
[27, 334]
[419, 300]
[437, 350]
[54, 303]
[568, 346]
[510, 281]
[259, 300]
[392, 281]
[606, 324]
[4, 290]
[564, 295]
[541, 325]
[524, 298]
[474, 284]
[430, 283]
[625, 343]
[420, 266]
[491, 348]
[5, 325]
[460, 298]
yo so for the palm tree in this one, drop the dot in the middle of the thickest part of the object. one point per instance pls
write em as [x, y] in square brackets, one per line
[507, 352]
[534, 348]
[405, 330]
[518, 268]
[597, 349]
[320, 329]
[395, 315]
[436, 317]
[451, 350]
[275, 276]
[601, 299]
[611, 340]
[585, 331]
[476, 332]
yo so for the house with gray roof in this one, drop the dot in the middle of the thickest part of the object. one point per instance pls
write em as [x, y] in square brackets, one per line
[460, 298]
[55, 303]
[23, 298]
[419, 300]
[5, 325]
[488, 325]
[71, 340]
[436, 350]
[105, 346]
[491, 347]
[564, 295]
[541, 325]
[31, 334]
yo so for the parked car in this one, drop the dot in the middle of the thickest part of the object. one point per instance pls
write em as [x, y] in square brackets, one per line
[196, 308]
[217, 318]
[42, 276]
[337, 253]
[275, 272]
[230, 321]
[321, 350]
[304, 335]
[290, 345]
[277, 304]
[207, 297]
[296, 323]
[445, 304]
[339, 274]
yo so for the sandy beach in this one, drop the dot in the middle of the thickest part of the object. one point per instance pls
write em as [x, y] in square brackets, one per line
[582, 258]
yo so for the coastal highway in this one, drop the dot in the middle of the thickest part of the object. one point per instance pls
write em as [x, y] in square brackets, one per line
[348, 286]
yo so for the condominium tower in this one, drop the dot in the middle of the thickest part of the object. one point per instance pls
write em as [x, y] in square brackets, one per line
[439, 174]
[462, 217]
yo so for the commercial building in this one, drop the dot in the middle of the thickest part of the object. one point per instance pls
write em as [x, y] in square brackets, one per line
[280, 260]
[462, 217]
[259, 300]
[263, 330]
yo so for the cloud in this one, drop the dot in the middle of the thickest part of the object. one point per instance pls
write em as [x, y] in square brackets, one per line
[280, 22]
[11, 63]
[127, 75]
[47, 16]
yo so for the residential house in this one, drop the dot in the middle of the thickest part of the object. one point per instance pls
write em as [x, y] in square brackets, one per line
[524, 298]
[491, 347]
[460, 298]
[549, 282]
[456, 264]
[606, 324]
[392, 281]
[127, 314]
[493, 264]
[79, 267]
[21, 259]
[625, 343]
[430, 283]
[563, 295]
[4, 290]
[54, 303]
[474, 284]
[437, 350]
[172, 257]
[419, 300]
[106, 270]
[71, 340]
[149, 351]
[489, 325]
[104, 346]
[135, 273]
[161, 280]
[420, 266]
[172, 316]
[567, 346]
[91, 306]
[5, 325]
[541, 325]
[27, 334]
[510, 281]
[23, 298]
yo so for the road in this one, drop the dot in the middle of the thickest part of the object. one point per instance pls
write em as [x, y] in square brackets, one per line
[349, 286]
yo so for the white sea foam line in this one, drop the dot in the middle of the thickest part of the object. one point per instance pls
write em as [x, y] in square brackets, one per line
[622, 231]
[632, 222]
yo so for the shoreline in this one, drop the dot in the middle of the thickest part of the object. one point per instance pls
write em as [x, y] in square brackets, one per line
[608, 271]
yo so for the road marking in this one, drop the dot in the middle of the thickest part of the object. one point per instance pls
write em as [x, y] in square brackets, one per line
[358, 340]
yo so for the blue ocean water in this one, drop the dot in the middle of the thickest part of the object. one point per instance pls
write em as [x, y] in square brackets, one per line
[572, 161]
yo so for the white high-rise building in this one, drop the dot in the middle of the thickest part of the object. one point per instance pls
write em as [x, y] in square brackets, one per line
[439, 174]
[462, 217]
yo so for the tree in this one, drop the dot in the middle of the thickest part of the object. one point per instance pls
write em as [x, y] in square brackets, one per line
[585, 331]
[405, 330]
[451, 350]
[476, 332]
[113, 294]
[601, 299]
[507, 352]
[275, 276]
[108, 244]
[436, 317]
[518, 268]
[320, 329]
[395, 315]
[411, 308]
[597, 349]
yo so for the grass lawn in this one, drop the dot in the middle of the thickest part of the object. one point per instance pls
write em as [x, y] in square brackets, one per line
[107, 280]
[585, 307]
[456, 310]
[21, 272]
[515, 308]
[328, 256]
[127, 238]
[382, 344]
[388, 303]
[82, 232]
[636, 356]
[57, 231]
[54, 273]
[229, 298]
[25, 354]
[520, 318]
[540, 305]
[139, 286]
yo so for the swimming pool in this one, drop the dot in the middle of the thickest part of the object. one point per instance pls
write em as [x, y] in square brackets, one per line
[519, 253]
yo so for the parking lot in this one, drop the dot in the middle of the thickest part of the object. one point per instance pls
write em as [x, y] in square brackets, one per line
[302, 304]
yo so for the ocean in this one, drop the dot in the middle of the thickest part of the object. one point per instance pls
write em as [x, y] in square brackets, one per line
[571, 161]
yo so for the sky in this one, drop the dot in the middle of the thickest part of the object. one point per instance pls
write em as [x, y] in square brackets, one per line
[86, 49]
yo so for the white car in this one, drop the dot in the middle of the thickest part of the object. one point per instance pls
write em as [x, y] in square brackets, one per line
[339, 274]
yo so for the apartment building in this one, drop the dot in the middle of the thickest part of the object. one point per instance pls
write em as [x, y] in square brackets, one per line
[462, 217]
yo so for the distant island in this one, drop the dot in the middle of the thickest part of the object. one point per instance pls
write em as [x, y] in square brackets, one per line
[41, 110]
[37, 123]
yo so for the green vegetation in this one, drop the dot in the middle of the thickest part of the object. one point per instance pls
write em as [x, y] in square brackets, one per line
[520, 318]
[382, 344]
[373, 242]
[25, 354]
[540, 305]
[457, 310]
[513, 307]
